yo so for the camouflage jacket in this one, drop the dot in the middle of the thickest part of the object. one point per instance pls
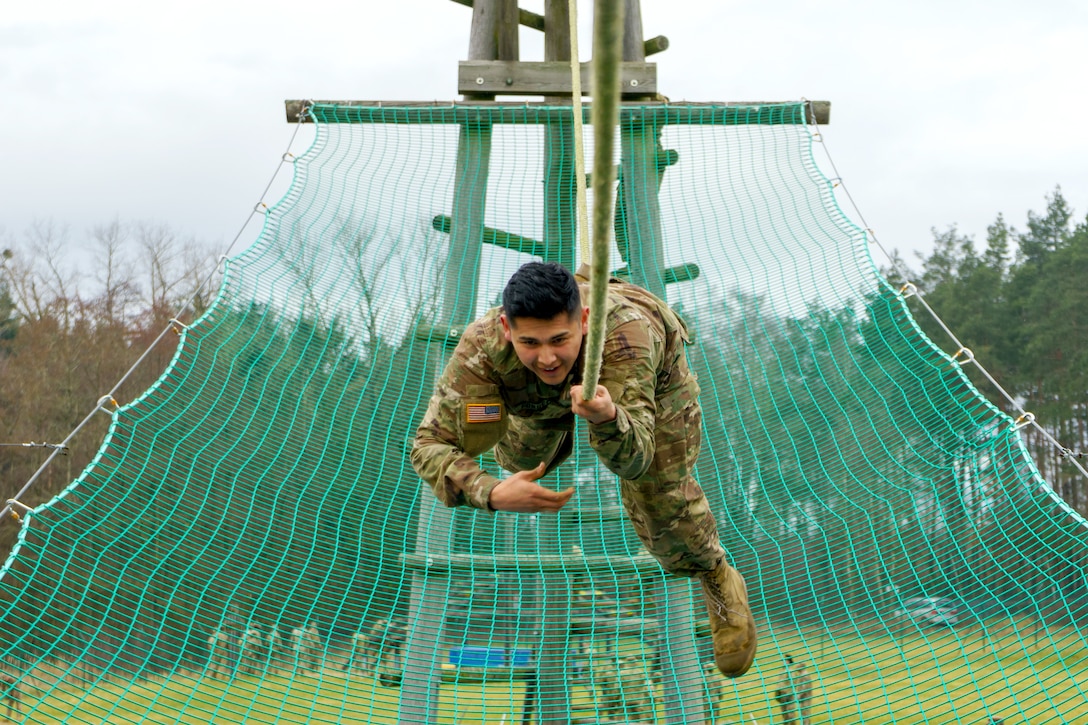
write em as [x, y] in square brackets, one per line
[486, 398]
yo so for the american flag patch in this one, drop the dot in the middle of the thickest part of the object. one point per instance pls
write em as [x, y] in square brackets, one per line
[483, 412]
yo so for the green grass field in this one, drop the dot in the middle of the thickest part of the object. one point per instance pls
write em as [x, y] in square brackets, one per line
[947, 676]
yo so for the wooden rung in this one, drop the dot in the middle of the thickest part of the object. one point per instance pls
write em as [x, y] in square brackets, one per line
[671, 275]
[655, 45]
[488, 674]
[446, 337]
[624, 626]
[443, 223]
[444, 564]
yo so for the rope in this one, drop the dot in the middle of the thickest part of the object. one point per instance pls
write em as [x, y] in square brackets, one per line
[607, 52]
[579, 144]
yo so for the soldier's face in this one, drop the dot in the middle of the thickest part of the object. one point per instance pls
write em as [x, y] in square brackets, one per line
[548, 347]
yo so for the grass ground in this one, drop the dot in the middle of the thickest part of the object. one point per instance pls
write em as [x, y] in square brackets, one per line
[948, 676]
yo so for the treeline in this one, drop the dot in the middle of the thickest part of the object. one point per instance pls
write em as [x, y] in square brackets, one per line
[853, 466]
[75, 314]
[247, 485]
[1019, 301]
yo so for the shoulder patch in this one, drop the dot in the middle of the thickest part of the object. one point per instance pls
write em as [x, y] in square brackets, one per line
[483, 412]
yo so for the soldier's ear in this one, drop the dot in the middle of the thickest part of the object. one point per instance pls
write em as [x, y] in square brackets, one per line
[506, 328]
[585, 321]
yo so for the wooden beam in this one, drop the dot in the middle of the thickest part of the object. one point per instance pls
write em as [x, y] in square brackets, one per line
[546, 78]
[526, 18]
[771, 113]
[443, 223]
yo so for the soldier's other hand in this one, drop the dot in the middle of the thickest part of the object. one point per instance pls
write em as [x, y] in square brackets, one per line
[521, 493]
[599, 409]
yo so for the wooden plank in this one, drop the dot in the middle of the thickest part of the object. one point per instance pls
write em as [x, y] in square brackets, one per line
[525, 17]
[542, 78]
[712, 113]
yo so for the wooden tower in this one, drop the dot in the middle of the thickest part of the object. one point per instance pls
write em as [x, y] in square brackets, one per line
[494, 68]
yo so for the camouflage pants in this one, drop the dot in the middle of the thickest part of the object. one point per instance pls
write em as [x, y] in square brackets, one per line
[667, 507]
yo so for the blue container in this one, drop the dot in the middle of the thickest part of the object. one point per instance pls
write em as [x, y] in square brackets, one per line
[477, 657]
[519, 657]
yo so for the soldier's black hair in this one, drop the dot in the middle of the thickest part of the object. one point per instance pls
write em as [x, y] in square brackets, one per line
[541, 290]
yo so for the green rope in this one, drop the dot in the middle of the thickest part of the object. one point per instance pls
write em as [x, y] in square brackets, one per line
[607, 53]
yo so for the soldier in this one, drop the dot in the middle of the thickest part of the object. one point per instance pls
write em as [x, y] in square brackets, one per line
[794, 693]
[638, 688]
[514, 384]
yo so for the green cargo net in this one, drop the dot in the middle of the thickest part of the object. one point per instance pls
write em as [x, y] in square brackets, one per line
[252, 545]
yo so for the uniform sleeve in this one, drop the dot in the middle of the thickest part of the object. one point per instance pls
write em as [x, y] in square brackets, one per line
[440, 453]
[629, 372]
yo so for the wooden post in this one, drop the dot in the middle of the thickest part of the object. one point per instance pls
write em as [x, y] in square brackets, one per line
[640, 144]
[684, 688]
[641, 207]
[560, 221]
[425, 649]
[424, 652]
[560, 203]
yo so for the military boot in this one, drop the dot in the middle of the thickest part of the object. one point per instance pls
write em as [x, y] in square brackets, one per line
[731, 623]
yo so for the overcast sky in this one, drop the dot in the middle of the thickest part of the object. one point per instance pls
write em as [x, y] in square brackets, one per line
[943, 111]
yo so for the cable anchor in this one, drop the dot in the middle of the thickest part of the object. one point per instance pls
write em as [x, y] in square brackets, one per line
[1023, 421]
[12, 504]
[908, 290]
[968, 356]
[178, 326]
[108, 399]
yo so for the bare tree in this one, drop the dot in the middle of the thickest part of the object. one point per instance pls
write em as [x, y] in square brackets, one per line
[175, 269]
[114, 272]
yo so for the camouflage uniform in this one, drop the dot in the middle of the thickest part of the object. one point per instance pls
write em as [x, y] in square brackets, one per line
[486, 398]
